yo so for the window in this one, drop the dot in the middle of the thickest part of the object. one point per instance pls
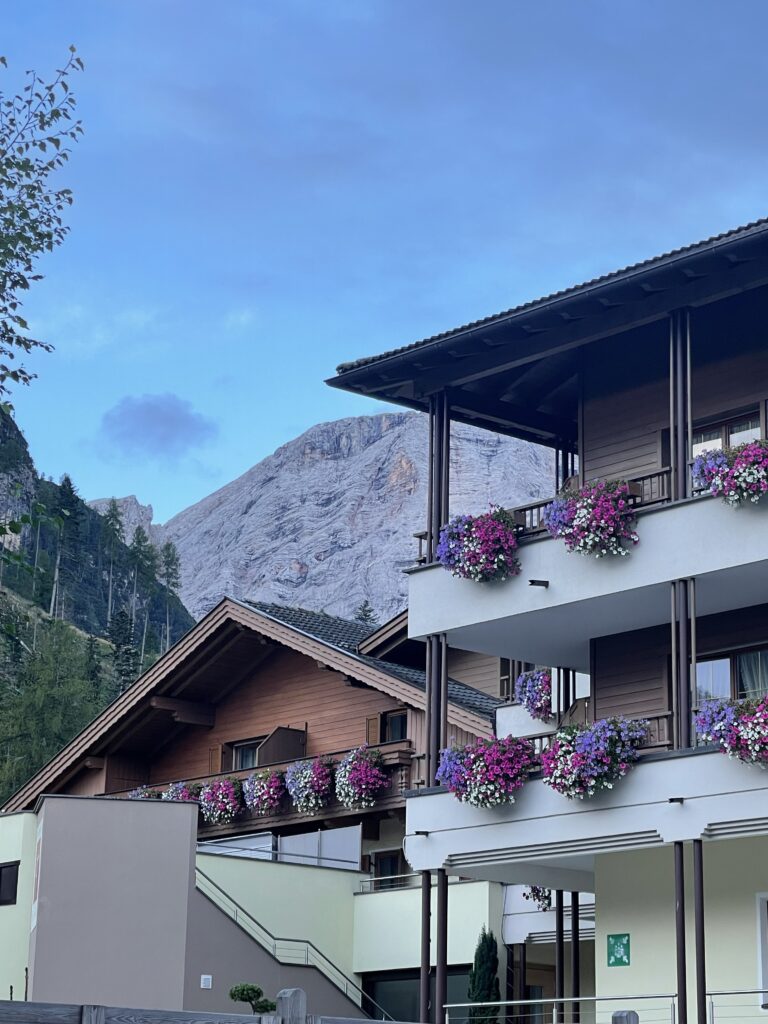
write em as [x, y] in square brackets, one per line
[506, 686]
[245, 754]
[741, 674]
[9, 882]
[727, 433]
[394, 726]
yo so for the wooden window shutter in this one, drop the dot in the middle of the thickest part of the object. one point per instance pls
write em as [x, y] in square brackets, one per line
[214, 760]
[226, 758]
[373, 729]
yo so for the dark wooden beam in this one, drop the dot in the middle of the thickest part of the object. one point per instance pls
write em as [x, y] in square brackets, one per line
[554, 427]
[693, 291]
[185, 712]
[94, 763]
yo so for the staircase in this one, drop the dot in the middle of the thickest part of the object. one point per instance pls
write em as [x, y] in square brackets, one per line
[288, 951]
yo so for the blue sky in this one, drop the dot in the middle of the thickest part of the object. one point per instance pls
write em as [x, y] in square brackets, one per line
[269, 187]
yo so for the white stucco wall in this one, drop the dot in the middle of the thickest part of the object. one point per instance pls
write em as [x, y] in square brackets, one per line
[17, 842]
[293, 901]
[635, 893]
[388, 925]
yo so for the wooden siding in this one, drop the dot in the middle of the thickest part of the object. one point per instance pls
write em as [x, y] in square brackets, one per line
[417, 734]
[632, 670]
[626, 384]
[478, 670]
[626, 404]
[288, 690]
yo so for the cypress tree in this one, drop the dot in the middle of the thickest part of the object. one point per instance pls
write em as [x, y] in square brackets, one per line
[484, 978]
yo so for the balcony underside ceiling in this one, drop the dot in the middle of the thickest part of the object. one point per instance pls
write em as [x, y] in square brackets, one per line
[560, 635]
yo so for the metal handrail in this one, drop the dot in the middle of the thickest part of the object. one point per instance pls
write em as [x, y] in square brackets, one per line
[559, 1003]
[272, 944]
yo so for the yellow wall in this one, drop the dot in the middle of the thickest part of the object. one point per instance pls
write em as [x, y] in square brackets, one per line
[292, 901]
[388, 925]
[17, 842]
[635, 893]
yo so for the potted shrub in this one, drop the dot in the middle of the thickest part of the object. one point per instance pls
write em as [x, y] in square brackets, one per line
[480, 548]
[587, 759]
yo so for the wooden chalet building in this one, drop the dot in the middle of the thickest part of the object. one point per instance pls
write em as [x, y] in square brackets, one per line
[257, 685]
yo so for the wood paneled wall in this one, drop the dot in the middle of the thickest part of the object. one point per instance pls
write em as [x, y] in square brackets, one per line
[289, 689]
[478, 670]
[626, 383]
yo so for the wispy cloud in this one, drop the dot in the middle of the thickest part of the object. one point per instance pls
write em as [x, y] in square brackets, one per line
[162, 428]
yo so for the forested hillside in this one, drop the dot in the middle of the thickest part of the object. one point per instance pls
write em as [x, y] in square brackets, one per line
[82, 613]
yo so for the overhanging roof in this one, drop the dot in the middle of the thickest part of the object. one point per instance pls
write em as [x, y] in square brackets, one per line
[200, 660]
[515, 371]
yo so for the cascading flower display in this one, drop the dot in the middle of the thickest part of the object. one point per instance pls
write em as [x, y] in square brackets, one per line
[534, 691]
[360, 778]
[480, 548]
[738, 475]
[264, 792]
[487, 773]
[598, 519]
[188, 792]
[221, 800]
[310, 784]
[145, 793]
[587, 759]
[538, 895]
[740, 728]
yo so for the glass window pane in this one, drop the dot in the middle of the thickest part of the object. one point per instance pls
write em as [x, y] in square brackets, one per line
[245, 756]
[743, 431]
[752, 674]
[713, 679]
[706, 440]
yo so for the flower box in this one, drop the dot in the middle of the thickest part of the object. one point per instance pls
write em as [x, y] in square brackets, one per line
[739, 727]
[598, 519]
[480, 548]
[487, 773]
[586, 759]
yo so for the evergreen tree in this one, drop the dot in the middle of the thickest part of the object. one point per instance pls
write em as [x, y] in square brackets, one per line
[366, 614]
[113, 533]
[143, 565]
[170, 575]
[92, 671]
[484, 978]
[44, 705]
[125, 657]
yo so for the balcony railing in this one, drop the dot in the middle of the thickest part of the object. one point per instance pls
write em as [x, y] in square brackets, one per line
[652, 1009]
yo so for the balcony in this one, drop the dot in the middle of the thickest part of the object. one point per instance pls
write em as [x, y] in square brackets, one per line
[726, 550]
[546, 839]
[397, 756]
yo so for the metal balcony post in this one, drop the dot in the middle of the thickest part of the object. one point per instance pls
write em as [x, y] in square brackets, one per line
[575, 959]
[682, 983]
[698, 910]
[559, 955]
[426, 917]
[441, 972]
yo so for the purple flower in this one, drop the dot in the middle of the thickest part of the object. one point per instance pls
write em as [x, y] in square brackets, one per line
[597, 519]
[487, 773]
[360, 778]
[583, 760]
[534, 691]
[480, 548]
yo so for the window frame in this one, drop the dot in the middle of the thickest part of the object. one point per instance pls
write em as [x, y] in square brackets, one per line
[17, 865]
[730, 654]
[238, 745]
[384, 720]
[724, 421]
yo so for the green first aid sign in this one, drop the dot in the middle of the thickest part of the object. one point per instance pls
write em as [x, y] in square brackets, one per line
[618, 950]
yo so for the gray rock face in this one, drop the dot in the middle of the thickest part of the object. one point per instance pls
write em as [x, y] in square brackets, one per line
[134, 514]
[328, 520]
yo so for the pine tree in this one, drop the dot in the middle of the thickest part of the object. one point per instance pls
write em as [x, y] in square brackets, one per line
[143, 564]
[125, 657]
[92, 669]
[170, 574]
[112, 532]
[366, 614]
[484, 978]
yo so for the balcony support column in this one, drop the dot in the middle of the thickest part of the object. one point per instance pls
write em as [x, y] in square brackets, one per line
[439, 465]
[682, 982]
[425, 971]
[698, 910]
[559, 955]
[441, 969]
[575, 959]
